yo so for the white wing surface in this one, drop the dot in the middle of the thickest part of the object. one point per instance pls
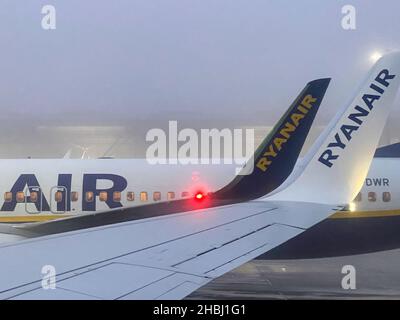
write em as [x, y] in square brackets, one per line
[159, 258]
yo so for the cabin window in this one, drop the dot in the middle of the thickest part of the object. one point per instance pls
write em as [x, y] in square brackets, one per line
[89, 196]
[103, 196]
[386, 197]
[130, 196]
[74, 196]
[58, 196]
[33, 196]
[117, 196]
[170, 195]
[7, 196]
[157, 196]
[143, 196]
[20, 196]
[185, 194]
[358, 198]
[371, 196]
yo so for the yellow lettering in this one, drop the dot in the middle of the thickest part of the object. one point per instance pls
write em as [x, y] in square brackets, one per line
[288, 128]
[278, 143]
[271, 151]
[263, 164]
[308, 101]
[296, 117]
[302, 109]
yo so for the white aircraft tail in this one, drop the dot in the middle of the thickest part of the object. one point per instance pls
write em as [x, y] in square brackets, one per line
[334, 169]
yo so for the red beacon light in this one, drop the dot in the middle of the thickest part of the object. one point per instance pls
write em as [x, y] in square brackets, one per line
[199, 196]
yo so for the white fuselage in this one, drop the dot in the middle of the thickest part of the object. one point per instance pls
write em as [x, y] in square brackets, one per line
[381, 188]
[37, 190]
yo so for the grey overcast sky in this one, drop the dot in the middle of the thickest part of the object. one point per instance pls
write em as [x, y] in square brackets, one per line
[205, 63]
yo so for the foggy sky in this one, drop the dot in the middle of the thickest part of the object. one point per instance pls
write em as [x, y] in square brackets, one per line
[137, 64]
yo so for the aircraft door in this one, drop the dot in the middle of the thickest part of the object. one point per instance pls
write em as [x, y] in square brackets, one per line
[33, 200]
[58, 195]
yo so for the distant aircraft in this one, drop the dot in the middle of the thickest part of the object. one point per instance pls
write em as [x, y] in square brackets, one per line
[167, 250]
[39, 190]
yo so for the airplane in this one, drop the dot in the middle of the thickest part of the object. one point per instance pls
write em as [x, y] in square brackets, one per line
[44, 189]
[125, 254]
[374, 213]
[369, 223]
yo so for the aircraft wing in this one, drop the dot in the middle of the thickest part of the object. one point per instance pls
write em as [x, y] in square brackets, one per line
[167, 257]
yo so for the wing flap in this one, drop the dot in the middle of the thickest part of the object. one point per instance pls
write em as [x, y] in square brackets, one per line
[185, 252]
[59, 294]
[118, 280]
[177, 285]
[114, 280]
[217, 258]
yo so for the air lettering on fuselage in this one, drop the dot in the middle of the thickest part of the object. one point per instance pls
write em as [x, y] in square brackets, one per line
[29, 182]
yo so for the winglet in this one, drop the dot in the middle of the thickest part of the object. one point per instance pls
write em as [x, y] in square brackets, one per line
[337, 164]
[274, 159]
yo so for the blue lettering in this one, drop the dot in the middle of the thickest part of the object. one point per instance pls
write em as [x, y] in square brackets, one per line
[30, 181]
[90, 185]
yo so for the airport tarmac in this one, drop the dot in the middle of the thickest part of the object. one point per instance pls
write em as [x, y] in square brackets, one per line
[377, 277]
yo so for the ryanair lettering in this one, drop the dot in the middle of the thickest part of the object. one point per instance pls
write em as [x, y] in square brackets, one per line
[356, 118]
[285, 133]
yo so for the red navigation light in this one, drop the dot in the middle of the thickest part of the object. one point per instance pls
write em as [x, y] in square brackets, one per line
[199, 196]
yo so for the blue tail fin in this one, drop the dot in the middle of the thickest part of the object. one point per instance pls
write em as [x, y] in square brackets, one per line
[274, 159]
